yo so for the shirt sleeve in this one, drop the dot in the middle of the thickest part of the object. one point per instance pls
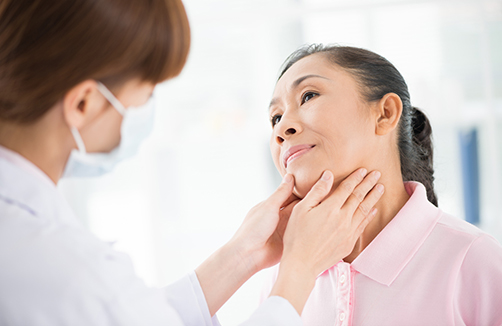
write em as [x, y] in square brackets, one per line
[270, 279]
[187, 298]
[275, 311]
[479, 285]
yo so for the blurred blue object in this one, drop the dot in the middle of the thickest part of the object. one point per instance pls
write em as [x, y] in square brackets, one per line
[470, 174]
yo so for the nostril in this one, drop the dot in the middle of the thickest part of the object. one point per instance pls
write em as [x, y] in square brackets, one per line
[290, 131]
[279, 140]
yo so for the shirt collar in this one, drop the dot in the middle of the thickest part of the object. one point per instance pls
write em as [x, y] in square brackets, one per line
[386, 256]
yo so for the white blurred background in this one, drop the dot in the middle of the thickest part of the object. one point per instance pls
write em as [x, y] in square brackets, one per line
[207, 162]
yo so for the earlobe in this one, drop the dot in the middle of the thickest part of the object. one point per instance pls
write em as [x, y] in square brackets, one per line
[389, 110]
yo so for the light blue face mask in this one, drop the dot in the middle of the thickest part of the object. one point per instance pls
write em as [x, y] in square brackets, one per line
[137, 124]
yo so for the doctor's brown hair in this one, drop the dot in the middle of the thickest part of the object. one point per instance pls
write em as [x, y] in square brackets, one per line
[47, 47]
[377, 77]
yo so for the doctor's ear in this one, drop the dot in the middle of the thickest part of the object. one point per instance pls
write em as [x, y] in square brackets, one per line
[388, 112]
[82, 103]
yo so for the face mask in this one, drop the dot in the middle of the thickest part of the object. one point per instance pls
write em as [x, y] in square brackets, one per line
[136, 125]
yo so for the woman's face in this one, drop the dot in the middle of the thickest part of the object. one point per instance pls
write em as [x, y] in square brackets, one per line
[320, 122]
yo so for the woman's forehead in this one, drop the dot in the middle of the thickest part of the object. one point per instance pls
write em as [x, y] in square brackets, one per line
[313, 65]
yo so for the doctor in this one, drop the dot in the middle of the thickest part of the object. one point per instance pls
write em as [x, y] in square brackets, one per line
[76, 78]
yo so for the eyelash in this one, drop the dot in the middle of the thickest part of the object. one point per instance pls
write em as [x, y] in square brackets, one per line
[274, 120]
[304, 96]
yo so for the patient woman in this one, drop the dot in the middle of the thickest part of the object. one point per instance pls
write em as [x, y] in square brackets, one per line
[337, 108]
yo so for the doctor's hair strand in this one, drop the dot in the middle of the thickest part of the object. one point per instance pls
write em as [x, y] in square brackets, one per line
[48, 48]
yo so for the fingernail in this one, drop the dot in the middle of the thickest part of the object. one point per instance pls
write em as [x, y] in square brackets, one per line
[363, 172]
[377, 175]
[373, 212]
[380, 188]
[287, 178]
[326, 175]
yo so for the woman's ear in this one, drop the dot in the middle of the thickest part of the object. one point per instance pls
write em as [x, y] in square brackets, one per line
[82, 103]
[388, 112]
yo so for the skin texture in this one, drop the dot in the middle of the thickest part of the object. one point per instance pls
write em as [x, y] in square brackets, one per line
[329, 112]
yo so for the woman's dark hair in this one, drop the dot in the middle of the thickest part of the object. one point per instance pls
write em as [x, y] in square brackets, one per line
[377, 77]
[48, 47]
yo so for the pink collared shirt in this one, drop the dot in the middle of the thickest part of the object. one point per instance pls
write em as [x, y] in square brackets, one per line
[424, 268]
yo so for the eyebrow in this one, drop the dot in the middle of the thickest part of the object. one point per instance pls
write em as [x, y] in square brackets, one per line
[295, 84]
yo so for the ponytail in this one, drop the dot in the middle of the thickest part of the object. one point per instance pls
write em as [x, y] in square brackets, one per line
[416, 151]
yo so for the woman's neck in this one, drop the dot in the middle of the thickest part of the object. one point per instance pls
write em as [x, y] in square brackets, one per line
[39, 142]
[394, 198]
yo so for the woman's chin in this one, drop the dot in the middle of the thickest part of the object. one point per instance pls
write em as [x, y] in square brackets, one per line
[303, 184]
[305, 180]
[300, 193]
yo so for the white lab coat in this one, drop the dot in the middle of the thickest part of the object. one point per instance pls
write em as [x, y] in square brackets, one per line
[54, 272]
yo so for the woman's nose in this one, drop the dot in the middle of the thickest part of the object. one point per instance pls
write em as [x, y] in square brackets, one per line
[286, 129]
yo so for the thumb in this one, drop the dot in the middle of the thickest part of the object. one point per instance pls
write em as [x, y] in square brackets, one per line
[319, 191]
[283, 192]
[284, 216]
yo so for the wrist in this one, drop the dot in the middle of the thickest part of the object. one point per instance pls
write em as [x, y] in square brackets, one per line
[242, 257]
[295, 282]
[222, 274]
[299, 268]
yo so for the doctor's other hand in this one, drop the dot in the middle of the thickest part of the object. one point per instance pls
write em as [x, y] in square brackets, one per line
[259, 238]
[323, 229]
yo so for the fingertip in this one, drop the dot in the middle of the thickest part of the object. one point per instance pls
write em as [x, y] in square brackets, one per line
[327, 175]
[380, 188]
[288, 178]
[363, 172]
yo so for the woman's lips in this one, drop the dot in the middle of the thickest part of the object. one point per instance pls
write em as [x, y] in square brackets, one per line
[295, 152]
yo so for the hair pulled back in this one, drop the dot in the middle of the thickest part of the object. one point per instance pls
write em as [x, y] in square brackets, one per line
[46, 48]
[377, 77]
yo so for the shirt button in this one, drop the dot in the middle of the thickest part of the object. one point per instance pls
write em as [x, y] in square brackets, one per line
[342, 278]
[342, 316]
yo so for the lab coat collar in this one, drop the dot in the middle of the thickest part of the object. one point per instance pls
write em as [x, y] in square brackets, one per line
[387, 255]
[25, 186]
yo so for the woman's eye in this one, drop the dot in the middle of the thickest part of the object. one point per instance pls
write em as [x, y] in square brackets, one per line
[308, 96]
[275, 119]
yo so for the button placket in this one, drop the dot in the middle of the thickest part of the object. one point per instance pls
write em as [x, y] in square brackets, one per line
[344, 293]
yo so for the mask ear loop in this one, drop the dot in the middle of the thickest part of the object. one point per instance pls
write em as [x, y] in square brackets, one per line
[111, 98]
[78, 140]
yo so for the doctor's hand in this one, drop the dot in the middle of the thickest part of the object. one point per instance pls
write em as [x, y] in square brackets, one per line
[257, 244]
[323, 229]
[259, 238]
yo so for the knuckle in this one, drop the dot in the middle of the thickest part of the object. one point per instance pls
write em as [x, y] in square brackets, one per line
[321, 187]
[365, 210]
[358, 195]
[346, 186]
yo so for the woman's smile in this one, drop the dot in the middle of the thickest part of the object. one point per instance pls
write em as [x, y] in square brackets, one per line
[295, 152]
